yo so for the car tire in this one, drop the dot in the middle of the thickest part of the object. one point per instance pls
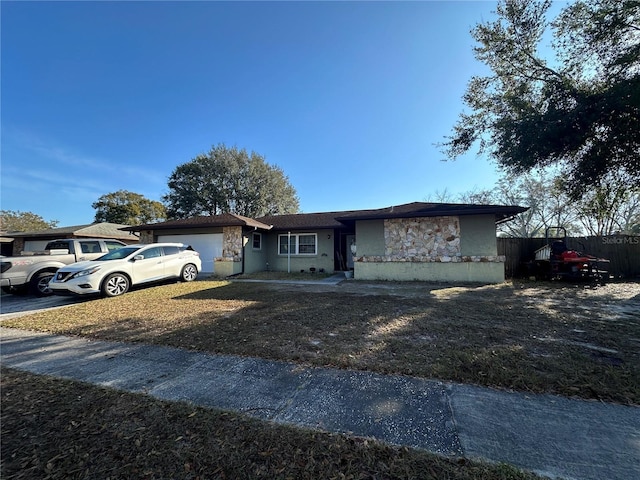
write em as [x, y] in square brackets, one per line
[189, 273]
[39, 284]
[115, 284]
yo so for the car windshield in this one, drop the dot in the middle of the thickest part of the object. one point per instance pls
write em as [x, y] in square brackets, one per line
[120, 253]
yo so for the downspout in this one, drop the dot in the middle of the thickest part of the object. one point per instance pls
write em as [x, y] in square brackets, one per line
[244, 245]
[288, 252]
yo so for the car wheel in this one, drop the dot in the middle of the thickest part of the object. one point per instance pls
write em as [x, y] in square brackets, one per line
[189, 273]
[115, 284]
[40, 284]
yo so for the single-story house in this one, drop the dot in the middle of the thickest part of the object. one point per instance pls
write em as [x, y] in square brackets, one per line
[414, 241]
[37, 240]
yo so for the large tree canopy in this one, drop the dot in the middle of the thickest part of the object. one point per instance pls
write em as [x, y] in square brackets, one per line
[611, 208]
[128, 208]
[228, 180]
[580, 110]
[16, 221]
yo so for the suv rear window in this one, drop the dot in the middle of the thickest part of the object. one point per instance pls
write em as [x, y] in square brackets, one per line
[171, 250]
[112, 245]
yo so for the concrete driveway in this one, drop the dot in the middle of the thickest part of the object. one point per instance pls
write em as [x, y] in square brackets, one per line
[12, 306]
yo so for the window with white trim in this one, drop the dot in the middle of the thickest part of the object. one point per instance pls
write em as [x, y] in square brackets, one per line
[299, 244]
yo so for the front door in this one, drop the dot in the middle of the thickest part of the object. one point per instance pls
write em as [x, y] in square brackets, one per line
[351, 240]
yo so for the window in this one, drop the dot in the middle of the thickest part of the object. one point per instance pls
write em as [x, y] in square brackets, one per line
[152, 252]
[256, 241]
[62, 245]
[171, 250]
[90, 247]
[111, 245]
[299, 244]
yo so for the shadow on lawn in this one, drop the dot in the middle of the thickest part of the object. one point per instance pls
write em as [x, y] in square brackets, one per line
[528, 337]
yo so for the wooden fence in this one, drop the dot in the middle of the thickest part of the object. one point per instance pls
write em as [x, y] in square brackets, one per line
[622, 250]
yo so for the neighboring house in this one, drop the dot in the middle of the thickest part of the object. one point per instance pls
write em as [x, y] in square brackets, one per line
[415, 241]
[37, 240]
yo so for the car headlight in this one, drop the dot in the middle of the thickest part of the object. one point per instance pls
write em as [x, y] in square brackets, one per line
[84, 273]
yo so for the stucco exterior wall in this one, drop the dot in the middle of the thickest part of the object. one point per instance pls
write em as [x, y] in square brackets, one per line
[485, 272]
[226, 267]
[370, 237]
[255, 260]
[478, 235]
[430, 249]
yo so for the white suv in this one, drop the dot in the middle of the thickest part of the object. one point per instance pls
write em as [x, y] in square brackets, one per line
[114, 273]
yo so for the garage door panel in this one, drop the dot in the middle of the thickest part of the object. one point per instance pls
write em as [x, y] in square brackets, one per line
[208, 245]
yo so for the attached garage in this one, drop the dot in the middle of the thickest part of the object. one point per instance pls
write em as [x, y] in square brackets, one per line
[208, 245]
[218, 238]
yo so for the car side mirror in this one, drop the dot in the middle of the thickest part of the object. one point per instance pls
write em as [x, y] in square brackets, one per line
[138, 257]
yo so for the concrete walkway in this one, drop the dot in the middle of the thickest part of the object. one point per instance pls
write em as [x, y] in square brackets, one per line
[334, 279]
[550, 435]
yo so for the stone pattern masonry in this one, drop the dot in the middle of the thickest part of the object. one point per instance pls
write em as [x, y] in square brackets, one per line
[231, 245]
[425, 239]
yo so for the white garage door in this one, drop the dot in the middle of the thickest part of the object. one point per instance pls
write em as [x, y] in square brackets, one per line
[207, 245]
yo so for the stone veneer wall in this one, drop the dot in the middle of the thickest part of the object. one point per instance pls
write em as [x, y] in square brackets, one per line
[423, 240]
[18, 246]
[230, 262]
[231, 244]
[146, 237]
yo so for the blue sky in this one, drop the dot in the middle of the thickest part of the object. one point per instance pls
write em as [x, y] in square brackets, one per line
[348, 98]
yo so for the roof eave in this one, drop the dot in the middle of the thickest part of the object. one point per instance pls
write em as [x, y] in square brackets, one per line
[509, 211]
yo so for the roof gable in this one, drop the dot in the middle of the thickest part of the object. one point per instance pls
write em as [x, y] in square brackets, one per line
[223, 220]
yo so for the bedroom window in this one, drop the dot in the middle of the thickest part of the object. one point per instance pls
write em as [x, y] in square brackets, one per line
[300, 244]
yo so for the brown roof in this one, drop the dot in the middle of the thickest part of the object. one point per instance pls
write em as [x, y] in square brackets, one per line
[223, 220]
[298, 221]
[408, 210]
[92, 230]
[422, 209]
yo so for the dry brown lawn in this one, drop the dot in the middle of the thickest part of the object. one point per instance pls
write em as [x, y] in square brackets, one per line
[573, 340]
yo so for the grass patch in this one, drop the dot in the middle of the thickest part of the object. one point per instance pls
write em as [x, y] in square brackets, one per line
[558, 338]
[60, 429]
